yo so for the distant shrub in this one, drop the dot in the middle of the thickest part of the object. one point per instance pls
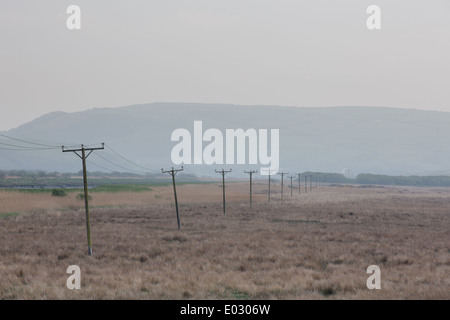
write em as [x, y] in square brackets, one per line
[328, 291]
[59, 193]
[80, 196]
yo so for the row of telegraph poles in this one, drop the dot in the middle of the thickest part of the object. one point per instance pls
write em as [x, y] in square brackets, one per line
[306, 176]
[83, 153]
[223, 172]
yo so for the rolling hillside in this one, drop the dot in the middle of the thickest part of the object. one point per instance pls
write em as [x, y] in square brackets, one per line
[363, 139]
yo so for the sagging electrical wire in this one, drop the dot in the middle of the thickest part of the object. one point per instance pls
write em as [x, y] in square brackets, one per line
[30, 142]
[129, 161]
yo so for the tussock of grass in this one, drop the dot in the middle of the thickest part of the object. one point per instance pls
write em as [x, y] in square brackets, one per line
[328, 291]
[295, 221]
[9, 214]
[238, 295]
[175, 239]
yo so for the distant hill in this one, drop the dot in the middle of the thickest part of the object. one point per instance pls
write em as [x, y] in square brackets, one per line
[375, 140]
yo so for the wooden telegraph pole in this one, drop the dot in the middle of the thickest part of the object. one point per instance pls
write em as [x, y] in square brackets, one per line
[251, 172]
[83, 157]
[223, 173]
[282, 176]
[269, 172]
[292, 187]
[173, 172]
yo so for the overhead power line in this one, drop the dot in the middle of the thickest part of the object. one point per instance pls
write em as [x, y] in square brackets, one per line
[118, 165]
[30, 142]
[27, 145]
[23, 148]
[129, 161]
[97, 165]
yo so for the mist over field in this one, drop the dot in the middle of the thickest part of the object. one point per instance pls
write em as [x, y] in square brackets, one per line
[377, 140]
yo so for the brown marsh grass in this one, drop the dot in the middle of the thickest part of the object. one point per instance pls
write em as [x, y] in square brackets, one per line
[315, 245]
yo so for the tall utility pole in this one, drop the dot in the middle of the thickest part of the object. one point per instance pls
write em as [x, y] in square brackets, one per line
[83, 158]
[251, 174]
[173, 172]
[292, 187]
[223, 173]
[299, 186]
[282, 176]
[269, 172]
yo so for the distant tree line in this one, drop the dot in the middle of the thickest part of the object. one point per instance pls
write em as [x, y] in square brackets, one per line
[43, 174]
[362, 178]
[436, 181]
[380, 179]
[28, 174]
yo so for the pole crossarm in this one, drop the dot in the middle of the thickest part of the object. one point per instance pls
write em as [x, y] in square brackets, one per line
[172, 171]
[223, 172]
[83, 148]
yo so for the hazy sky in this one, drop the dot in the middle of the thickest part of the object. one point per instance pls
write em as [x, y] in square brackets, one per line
[272, 52]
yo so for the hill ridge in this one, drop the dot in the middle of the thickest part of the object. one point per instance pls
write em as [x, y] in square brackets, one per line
[379, 140]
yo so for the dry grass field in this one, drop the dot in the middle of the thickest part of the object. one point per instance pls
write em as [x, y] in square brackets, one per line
[316, 245]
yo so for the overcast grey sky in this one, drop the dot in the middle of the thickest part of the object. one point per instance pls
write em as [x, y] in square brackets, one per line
[271, 52]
